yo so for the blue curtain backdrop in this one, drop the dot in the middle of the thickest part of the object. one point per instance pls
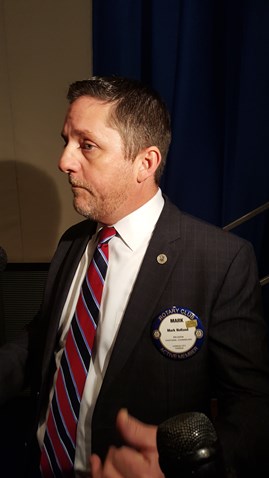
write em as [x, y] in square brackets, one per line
[209, 59]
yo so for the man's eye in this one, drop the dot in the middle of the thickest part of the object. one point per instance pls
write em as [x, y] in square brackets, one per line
[87, 146]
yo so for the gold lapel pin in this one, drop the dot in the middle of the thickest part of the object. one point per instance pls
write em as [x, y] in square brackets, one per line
[161, 259]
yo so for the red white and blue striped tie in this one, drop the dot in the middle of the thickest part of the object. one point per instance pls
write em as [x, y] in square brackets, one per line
[58, 452]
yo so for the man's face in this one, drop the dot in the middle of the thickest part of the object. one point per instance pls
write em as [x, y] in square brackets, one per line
[103, 182]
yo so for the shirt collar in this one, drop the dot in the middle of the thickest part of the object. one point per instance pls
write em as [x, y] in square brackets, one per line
[138, 226]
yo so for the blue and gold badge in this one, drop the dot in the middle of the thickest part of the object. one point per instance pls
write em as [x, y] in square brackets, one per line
[177, 333]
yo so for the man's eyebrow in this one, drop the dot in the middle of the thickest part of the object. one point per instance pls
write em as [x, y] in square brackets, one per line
[78, 132]
[84, 132]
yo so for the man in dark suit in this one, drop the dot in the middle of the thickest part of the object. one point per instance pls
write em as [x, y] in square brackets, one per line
[180, 320]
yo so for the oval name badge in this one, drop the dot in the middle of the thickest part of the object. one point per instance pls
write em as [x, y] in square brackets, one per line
[177, 333]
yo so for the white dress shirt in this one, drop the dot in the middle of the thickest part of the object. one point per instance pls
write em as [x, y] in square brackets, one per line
[126, 252]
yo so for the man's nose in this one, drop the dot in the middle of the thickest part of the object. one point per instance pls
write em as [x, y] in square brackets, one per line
[68, 162]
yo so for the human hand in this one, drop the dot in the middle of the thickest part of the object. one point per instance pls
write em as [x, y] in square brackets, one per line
[139, 459]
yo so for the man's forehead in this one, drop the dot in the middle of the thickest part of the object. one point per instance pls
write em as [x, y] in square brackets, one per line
[85, 105]
[87, 116]
[86, 102]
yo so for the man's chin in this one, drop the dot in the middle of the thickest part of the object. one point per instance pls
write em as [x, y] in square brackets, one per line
[84, 211]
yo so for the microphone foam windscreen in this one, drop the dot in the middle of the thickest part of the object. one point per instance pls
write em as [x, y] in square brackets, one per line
[185, 434]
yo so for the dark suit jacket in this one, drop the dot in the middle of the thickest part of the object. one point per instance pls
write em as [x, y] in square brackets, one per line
[208, 271]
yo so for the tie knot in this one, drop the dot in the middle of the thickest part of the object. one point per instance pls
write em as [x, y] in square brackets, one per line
[106, 234]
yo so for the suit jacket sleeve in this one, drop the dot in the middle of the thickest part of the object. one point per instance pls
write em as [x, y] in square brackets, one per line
[239, 360]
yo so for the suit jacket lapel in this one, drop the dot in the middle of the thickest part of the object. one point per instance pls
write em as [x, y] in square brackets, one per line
[66, 262]
[153, 276]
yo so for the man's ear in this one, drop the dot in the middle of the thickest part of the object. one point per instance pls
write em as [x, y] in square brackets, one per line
[148, 161]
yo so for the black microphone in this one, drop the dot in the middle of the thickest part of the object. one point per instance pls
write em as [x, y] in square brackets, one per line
[189, 448]
[3, 259]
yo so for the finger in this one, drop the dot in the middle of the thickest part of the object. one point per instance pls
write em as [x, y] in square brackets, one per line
[125, 462]
[135, 433]
[96, 466]
[113, 467]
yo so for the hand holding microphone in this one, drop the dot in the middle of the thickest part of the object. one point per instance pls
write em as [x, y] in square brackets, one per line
[184, 446]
